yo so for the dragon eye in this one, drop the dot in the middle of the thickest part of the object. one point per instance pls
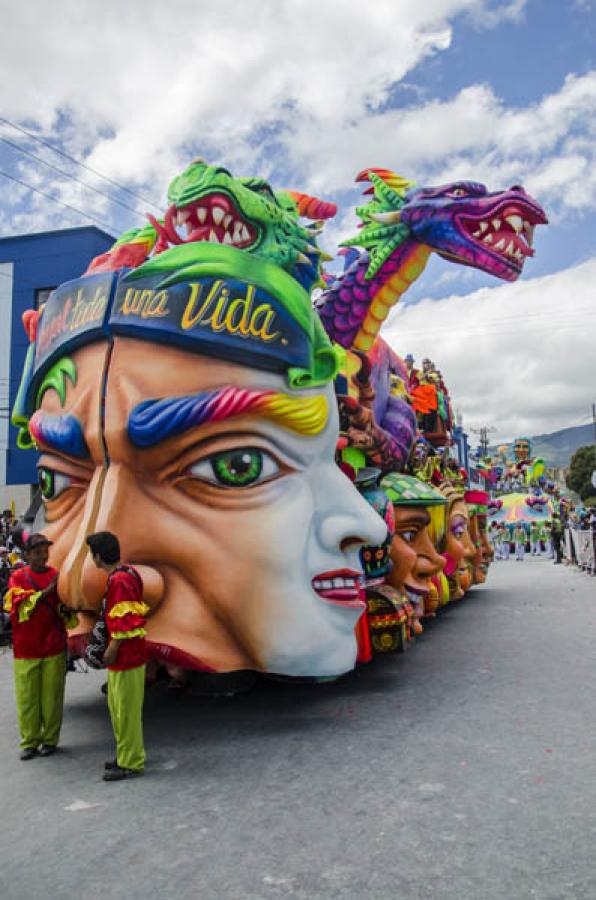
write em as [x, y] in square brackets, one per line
[239, 468]
[52, 483]
[458, 192]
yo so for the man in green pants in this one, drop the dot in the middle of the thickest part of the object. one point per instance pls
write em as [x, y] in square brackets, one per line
[125, 655]
[38, 621]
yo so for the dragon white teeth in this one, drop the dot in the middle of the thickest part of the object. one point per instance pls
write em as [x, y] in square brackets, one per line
[217, 213]
[516, 223]
[496, 223]
[500, 245]
[201, 214]
[237, 230]
[245, 234]
[227, 220]
[511, 248]
[213, 239]
[483, 226]
[488, 239]
[227, 239]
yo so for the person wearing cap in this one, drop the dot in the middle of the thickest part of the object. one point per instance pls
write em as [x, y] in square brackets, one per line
[39, 621]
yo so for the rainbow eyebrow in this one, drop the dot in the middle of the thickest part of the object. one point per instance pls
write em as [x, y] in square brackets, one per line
[61, 433]
[154, 421]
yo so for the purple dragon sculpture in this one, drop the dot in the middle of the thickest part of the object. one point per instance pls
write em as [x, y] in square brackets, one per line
[401, 226]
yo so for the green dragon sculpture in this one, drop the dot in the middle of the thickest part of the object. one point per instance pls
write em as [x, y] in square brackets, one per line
[207, 203]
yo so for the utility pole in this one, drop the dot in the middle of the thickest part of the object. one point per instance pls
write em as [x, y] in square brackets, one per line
[484, 432]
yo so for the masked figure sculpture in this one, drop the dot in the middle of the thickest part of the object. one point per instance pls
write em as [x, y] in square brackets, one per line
[384, 625]
[418, 507]
[187, 404]
[477, 502]
[458, 549]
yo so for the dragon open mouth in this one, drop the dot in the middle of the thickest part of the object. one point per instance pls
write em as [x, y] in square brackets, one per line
[213, 218]
[506, 231]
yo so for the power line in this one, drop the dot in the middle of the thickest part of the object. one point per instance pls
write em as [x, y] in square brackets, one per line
[560, 324]
[72, 177]
[77, 162]
[55, 200]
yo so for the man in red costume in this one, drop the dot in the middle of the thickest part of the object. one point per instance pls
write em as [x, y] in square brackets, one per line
[125, 655]
[38, 621]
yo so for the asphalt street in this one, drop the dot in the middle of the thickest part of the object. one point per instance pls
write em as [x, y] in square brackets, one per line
[464, 768]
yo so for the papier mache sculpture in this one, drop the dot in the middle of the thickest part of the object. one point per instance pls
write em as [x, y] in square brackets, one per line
[181, 394]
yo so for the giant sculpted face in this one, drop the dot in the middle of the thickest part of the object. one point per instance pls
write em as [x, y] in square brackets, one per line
[196, 419]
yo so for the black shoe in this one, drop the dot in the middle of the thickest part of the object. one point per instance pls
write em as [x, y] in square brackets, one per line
[110, 764]
[47, 750]
[28, 753]
[119, 774]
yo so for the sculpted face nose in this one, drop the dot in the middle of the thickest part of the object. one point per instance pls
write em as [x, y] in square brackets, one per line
[111, 506]
[429, 561]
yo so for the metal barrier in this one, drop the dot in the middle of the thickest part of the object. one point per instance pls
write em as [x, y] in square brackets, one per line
[580, 547]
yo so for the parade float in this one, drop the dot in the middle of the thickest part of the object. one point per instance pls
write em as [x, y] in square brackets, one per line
[278, 475]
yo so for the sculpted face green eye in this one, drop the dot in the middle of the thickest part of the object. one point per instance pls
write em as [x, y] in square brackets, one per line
[238, 468]
[52, 483]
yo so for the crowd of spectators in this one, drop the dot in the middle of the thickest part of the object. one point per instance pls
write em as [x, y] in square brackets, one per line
[11, 557]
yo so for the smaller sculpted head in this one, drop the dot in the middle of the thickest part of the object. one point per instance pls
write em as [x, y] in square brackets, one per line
[458, 548]
[477, 502]
[418, 510]
[376, 561]
[522, 448]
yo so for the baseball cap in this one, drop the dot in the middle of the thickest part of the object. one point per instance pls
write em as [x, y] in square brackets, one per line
[36, 540]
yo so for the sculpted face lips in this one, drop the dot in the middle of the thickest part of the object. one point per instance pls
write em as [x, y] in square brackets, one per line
[342, 588]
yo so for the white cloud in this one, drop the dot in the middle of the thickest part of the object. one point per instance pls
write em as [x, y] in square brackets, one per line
[485, 17]
[548, 146]
[519, 356]
[294, 86]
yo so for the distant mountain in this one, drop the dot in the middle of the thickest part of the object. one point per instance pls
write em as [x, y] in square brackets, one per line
[558, 447]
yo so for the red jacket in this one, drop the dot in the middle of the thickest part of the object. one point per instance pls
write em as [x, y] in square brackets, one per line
[38, 629]
[125, 617]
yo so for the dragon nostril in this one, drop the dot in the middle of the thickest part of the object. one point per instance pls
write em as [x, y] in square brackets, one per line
[518, 188]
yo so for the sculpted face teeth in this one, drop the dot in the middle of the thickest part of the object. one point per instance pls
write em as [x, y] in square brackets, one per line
[327, 584]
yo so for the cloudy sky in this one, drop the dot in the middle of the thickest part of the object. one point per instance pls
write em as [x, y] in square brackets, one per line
[308, 93]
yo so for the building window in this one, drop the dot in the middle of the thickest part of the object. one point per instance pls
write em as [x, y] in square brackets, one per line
[42, 295]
